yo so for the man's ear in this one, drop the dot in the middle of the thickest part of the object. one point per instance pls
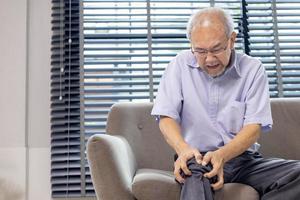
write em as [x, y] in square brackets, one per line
[232, 39]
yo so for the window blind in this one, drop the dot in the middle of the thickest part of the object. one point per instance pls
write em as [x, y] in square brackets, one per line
[274, 32]
[66, 152]
[288, 28]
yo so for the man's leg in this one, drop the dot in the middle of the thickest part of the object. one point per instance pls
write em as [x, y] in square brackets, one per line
[273, 178]
[196, 187]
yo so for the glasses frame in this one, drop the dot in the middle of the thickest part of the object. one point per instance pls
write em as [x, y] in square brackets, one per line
[204, 52]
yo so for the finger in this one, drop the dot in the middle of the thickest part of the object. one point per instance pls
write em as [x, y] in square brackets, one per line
[213, 172]
[219, 184]
[178, 177]
[198, 156]
[206, 159]
[184, 168]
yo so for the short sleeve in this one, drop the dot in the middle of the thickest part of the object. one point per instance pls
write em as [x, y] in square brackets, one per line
[258, 108]
[169, 97]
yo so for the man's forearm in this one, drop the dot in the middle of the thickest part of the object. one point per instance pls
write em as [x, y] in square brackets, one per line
[242, 141]
[172, 133]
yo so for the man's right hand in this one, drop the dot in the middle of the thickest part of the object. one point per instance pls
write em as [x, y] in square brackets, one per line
[184, 155]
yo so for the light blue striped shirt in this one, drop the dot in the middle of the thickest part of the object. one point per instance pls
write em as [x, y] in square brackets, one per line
[211, 111]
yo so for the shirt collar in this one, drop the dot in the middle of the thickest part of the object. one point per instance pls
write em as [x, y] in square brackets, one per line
[233, 67]
[191, 60]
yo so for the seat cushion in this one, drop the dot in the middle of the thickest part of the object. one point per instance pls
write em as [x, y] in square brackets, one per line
[150, 184]
[236, 191]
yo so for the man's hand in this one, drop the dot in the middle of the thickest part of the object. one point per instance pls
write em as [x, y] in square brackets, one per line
[217, 161]
[180, 164]
[239, 144]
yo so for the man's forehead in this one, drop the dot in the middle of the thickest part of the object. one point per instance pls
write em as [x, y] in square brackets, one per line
[203, 43]
[209, 27]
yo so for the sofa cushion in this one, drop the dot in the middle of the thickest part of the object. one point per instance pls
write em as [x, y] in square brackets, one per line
[236, 191]
[150, 184]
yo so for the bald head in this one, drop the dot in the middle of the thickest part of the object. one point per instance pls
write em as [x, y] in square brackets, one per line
[211, 17]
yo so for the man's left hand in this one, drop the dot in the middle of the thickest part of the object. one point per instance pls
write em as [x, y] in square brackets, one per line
[217, 161]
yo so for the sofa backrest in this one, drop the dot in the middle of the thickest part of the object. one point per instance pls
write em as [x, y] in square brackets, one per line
[134, 122]
[284, 139]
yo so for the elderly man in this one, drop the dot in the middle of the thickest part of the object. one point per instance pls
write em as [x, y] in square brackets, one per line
[213, 103]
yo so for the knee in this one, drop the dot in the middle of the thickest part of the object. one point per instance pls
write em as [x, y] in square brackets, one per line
[198, 169]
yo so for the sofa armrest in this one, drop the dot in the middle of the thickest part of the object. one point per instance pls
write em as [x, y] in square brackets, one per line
[112, 166]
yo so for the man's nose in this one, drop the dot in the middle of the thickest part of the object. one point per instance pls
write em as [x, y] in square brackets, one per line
[210, 57]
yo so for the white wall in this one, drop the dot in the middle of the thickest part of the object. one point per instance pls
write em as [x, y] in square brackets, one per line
[25, 42]
[12, 97]
[13, 72]
[39, 44]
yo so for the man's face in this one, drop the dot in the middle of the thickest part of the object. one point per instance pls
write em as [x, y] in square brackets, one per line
[212, 48]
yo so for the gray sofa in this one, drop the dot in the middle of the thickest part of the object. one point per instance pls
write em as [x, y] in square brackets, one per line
[133, 161]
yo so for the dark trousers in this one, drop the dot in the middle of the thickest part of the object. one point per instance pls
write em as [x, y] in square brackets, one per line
[272, 178]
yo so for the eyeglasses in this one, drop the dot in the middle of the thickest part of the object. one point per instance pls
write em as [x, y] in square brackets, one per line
[204, 52]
